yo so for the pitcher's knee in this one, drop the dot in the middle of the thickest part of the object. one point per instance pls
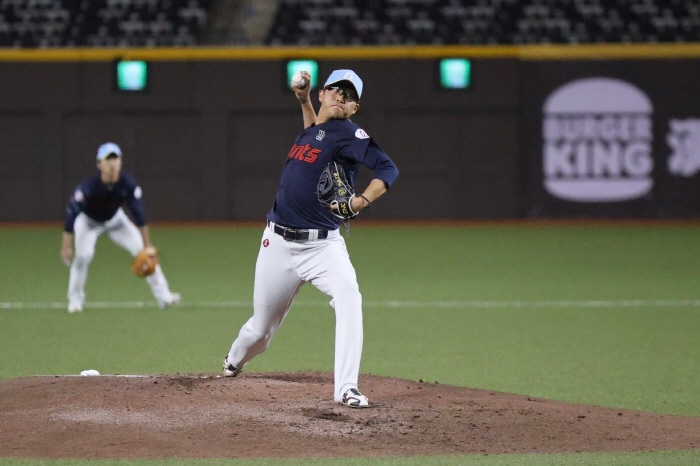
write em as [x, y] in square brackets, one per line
[82, 260]
[350, 296]
[261, 339]
[348, 308]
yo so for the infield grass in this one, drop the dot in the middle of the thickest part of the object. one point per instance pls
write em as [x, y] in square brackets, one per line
[670, 457]
[596, 314]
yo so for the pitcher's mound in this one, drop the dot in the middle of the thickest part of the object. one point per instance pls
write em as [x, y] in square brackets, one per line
[293, 415]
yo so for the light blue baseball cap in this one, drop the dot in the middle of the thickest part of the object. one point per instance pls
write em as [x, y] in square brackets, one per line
[108, 148]
[345, 75]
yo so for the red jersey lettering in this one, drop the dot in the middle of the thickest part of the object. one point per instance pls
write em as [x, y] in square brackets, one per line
[292, 152]
[312, 155]
[305, 153]
[300, 154]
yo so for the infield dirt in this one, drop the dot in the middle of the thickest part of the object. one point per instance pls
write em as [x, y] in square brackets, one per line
[293, 415]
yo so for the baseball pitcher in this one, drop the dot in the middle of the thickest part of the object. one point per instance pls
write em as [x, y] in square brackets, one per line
[302, 241]
[94, 209]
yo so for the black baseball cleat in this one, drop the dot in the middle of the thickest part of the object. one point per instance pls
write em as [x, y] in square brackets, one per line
[354, 399]
[229, 369]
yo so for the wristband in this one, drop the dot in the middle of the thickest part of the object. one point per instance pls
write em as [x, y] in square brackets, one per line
[369, 204]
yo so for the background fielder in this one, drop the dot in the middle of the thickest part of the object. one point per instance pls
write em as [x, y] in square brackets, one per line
[302, 241]
[95, 209]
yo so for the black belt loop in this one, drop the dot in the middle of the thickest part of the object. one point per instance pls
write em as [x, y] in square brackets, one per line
[290, 234]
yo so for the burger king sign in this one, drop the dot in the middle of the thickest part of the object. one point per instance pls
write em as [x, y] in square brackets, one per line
[597, 141]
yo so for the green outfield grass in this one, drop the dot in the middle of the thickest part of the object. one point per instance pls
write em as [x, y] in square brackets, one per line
[684, 457]
[597, 314]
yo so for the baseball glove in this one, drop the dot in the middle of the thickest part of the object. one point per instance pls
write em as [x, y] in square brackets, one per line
[334, 190]
[145, 263]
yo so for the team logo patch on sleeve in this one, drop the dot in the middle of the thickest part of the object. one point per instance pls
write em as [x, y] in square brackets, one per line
[79, 196]
[360, 134]
[137, 192]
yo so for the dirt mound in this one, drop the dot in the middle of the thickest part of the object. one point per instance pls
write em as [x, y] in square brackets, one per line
[293, 415]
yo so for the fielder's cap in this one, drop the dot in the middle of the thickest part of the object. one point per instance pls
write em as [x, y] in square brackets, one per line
[107, 149]
[345, 76]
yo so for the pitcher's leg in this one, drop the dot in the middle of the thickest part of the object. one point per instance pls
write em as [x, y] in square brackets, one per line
[85, 237]
[349, 337]
[276, 285]
[335, 275]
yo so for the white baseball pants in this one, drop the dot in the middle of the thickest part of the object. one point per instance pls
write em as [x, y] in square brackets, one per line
[124, 233]
[281, 270]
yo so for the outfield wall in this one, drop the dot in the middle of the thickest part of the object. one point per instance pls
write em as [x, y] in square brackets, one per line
[208, 139]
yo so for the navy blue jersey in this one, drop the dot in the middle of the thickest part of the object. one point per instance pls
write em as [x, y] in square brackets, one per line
[100, 201]
[296, 204]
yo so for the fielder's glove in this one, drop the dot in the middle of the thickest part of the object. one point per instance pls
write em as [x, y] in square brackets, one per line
[145, 263]
[334, 190]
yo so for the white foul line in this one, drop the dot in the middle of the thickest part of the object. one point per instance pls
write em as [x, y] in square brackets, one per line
[376, 304]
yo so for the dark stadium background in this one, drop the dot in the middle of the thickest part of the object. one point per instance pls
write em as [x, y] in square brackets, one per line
[208, 137]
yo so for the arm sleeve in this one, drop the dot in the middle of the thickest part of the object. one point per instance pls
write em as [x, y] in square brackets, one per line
[76, 204]
[359, 147]
[133, 201]
[384, 168]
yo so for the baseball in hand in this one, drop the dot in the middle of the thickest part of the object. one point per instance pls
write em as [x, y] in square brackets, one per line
[298, 80]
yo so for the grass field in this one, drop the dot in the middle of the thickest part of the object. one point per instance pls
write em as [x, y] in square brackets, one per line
[605, 314]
